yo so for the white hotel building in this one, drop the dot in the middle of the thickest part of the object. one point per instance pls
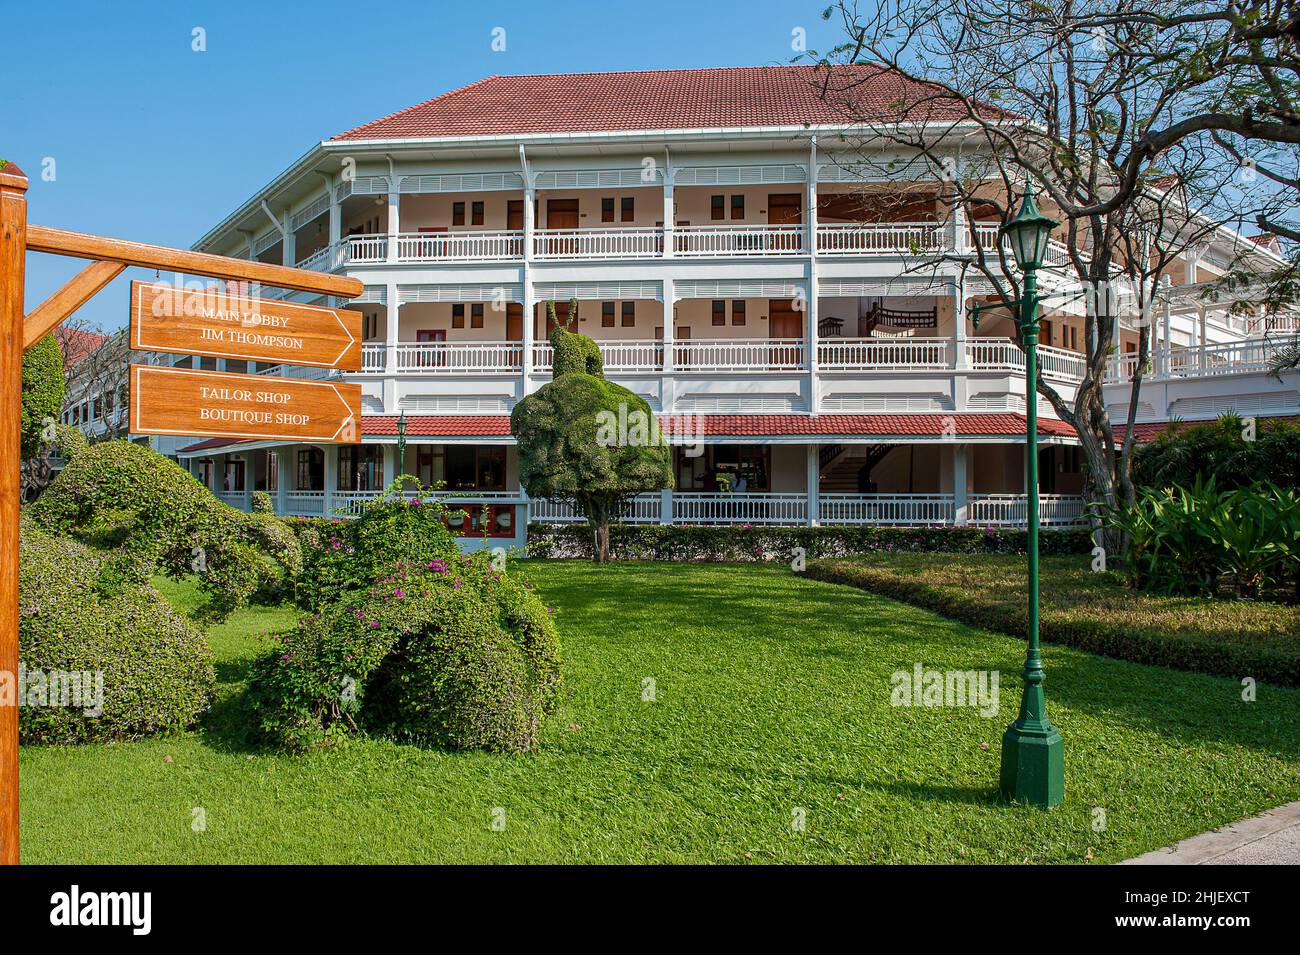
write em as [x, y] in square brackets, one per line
[731, 265]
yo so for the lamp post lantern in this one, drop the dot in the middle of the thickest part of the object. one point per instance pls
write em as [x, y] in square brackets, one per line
[1033, 754]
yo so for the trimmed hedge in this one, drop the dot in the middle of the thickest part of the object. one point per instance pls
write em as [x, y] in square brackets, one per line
[446, 652]
[43, 387]
[77, 615]
[128, 498]
[741, 544]
[1090, 611]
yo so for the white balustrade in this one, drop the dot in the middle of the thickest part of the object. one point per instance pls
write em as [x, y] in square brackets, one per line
[597, 243]
[460, 357]
[365, 248]
[737, 507]
[733, 240]
[459, 246]
[739, 354]
[304, 503]
[899, 354]
[891, 238]
[373, 357]
[622, 356]
[1012, 510]
[904, 510]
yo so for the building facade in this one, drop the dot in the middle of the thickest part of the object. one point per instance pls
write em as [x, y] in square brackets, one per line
[795, 318]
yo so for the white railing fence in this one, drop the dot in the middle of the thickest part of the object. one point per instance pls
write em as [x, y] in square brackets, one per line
[739, 354]
[597, 243]
[878, 353]
[895, 238]
[460, 357]
[729, 240]
[469, 246]
[887, 509]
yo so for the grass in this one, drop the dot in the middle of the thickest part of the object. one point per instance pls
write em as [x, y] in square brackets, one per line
[1087, 610]
[771, 695]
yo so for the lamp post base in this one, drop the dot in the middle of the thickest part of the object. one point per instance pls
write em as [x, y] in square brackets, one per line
[1033, 764]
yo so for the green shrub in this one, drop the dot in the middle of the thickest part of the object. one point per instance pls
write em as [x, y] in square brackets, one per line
[42, 392]
[447, 652]
[1205, 542]
[67, 441]
[1218, 452]
[1091, 611]
[262, 503]
[346, 555]
[77, 614]
[126, 497]
[679, 542]
[575, 353]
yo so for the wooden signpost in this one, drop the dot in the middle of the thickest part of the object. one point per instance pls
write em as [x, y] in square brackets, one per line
[166, 400]
[218, 404]
[222, 324]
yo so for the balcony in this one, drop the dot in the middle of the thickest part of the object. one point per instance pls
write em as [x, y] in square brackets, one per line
[863, 240]
[727, 356]
[1211, 361]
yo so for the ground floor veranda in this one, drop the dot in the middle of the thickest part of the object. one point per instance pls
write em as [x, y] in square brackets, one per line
[894, 483]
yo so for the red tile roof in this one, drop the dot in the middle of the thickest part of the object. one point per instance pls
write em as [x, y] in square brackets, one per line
[763, 425]
[1147, 430]
[77, 343]
[726, 98]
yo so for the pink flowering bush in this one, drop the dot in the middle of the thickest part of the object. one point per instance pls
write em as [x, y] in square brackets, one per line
[444, 651]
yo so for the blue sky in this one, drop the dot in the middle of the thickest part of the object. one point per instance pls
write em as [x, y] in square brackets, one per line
[153, 141]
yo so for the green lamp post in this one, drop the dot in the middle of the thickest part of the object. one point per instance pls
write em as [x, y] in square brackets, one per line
[1033, 755]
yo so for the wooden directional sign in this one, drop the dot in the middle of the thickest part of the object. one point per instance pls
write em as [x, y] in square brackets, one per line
[227, 324]
[218, 404]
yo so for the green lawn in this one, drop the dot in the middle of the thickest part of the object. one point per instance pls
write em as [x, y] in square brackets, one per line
[771, 695]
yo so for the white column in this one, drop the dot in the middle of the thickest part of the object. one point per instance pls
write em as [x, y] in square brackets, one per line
[331, 476]
[666, 506]
[960, 228]
[391, 464]
[284, 470]
[335, 224]
[959, 358]
[1166, 348]
[526, 328]
[811, 333]
[289, 242]
[960, 485]
[813, 479]
[670, 222]
[670, 330]
[1200, 335]
[392, 329]
[394, 217]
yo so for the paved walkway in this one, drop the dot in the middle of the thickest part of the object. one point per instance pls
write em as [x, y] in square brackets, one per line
[1272, 838]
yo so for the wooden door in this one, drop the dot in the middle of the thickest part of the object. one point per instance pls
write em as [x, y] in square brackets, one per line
[514, 322]
[430, 357]
[786, 323]
[786, 209]
[561, 214]
[515, 215]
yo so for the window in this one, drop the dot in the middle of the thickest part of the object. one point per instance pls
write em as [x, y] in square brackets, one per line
[476, 213]
[476, 315]
[719, 312]
[606, 314]
[311, 469]
[737, 462]
[629, 314]
[205, 472]
[458, 316]
[458, 213]
[361, 467]
[738, 312]
[737, 207]
[98, 409]
[233, 478]
[607, 209]
[717, 207]
[476, 467]
[371, 329]
[629, 209]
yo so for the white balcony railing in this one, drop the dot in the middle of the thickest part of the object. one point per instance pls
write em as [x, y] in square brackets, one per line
[744, 240]
[1233, 358]
[854, 354]
[628, 356]
[740, 354]
[460, 357]
[888, 509]
[374, 357]
[1012, 510]
[644, 509]
[713, 507]
[894, 238]
[364, 248]
[597, 243]
[1003, 354]
[460, 246]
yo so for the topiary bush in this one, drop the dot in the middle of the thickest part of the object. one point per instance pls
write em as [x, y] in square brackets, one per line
[262, 503]
[448, 652]
[157, 518]
[347, 555]
[77, 615]
[43, 387]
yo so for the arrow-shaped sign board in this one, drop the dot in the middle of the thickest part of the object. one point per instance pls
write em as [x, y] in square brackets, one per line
[218, 404]
[228, 324]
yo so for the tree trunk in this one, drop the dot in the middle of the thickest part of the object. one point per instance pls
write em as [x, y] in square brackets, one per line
[600, 541]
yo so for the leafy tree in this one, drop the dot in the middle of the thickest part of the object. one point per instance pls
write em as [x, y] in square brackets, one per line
[587, 440]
